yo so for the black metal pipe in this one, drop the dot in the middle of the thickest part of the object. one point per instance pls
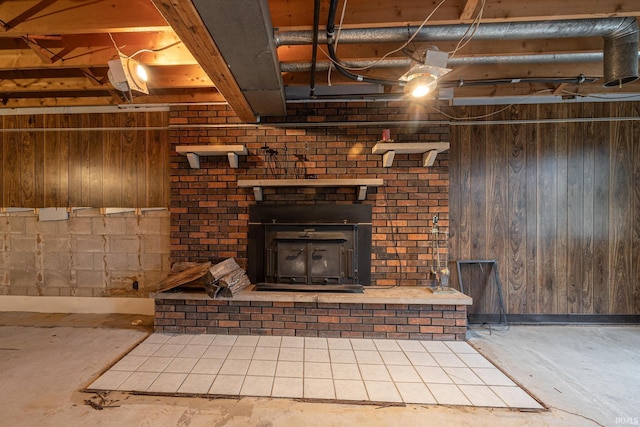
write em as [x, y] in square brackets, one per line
[314, 48]
[336, 62]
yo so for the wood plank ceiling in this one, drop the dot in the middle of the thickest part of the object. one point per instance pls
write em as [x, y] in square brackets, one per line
[55, 52]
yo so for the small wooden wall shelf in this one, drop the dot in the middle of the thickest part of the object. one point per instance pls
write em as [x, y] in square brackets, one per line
[259, 184]
[193, 153]
[429, 149]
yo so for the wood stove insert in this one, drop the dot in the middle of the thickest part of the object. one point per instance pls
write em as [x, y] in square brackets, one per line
[310, 248]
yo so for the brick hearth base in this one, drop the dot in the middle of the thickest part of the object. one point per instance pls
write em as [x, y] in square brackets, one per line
[396, 313]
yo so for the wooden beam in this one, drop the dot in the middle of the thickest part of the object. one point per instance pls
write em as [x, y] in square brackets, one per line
[96, 53]
[186, 22]
[44, 84]
[469, 8]
[559, 89]
[42, 53]
[78, 99]
[298, 14]
[82, 17]
[28, 13]
[189, 77]
[92, 78]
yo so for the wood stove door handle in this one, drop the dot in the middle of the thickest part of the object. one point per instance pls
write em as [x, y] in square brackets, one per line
[269, 262]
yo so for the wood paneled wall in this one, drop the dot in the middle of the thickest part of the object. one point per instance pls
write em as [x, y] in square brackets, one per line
[94, 160]
[555, 202]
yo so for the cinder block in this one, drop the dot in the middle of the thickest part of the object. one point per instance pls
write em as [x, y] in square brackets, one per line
[19, 243]
[82, 261]
[99, 293]
[23, 278]
[90, 279]
[124, 244]
[17, 224]
[93, 244]
[55, 278]
[54, 243]
[120, 262]
[83, 292]
[151, 262]
[80, 226]
[15, 289]
[54, 261]
[50, 291]
[145, 225]
[109, 225]
[155, 244]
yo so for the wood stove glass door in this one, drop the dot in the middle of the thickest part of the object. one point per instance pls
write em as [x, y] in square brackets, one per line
[326, 263]
[292, 262]
[315, 262]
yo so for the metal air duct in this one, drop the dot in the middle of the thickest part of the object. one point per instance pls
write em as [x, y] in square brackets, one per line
[490, 31]
[620, 35]
[621, 54]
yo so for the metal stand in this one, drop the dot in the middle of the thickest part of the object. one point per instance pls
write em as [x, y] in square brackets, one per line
[439, 274]
[494, 265]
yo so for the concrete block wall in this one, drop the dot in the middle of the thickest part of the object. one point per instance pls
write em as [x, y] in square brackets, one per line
[210, 213]
[88, 255]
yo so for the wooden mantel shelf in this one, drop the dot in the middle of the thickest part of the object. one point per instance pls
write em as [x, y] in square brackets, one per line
[193, 153]
[389, 150]
[259, 184]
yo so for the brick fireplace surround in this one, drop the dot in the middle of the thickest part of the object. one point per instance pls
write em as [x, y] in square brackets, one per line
[210, 220]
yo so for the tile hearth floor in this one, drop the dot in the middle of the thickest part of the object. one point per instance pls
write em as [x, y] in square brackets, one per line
[342, 369]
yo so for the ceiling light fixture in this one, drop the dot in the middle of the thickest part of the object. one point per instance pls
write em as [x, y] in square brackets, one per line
[422, 79]
[126, 74]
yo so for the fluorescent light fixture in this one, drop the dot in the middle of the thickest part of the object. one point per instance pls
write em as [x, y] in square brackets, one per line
[126, 74]
[422, 79]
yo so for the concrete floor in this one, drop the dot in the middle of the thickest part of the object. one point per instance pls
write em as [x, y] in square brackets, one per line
[586, 375]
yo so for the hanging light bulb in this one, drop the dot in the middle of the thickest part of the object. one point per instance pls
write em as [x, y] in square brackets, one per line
[421, 85]
[127, 74]
[142, 73]
[422, 79]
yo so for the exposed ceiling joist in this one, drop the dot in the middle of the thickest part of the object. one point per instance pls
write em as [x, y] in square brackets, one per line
[79, 17]
[55, 53]
[469, 10]
[186, 22]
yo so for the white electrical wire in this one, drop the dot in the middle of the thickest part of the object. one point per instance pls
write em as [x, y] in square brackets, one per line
[464, 41]
[120, 54]
[474, 27]
[413, 36]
